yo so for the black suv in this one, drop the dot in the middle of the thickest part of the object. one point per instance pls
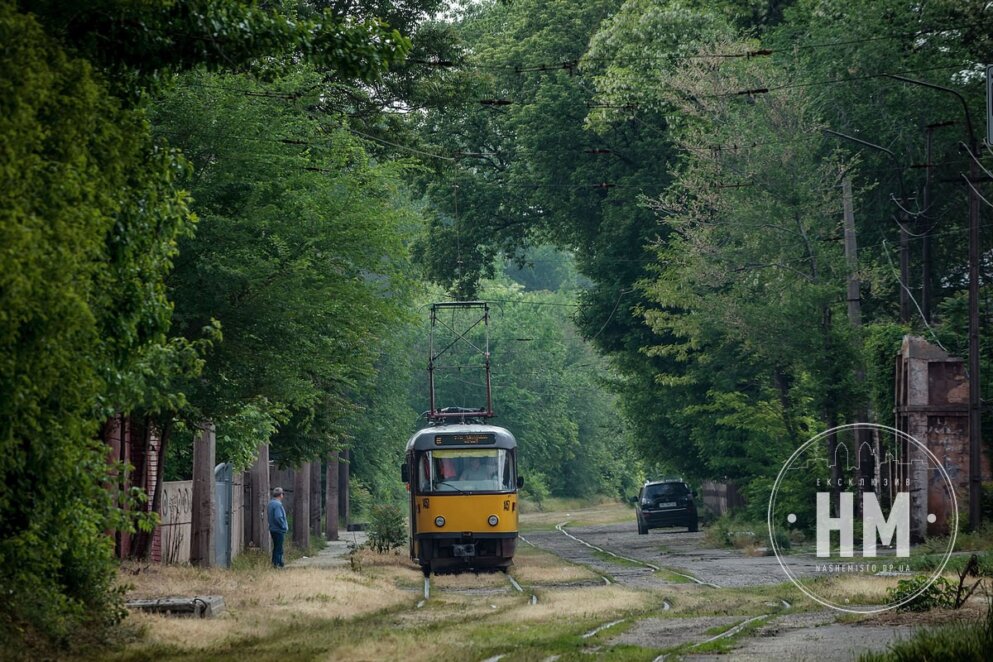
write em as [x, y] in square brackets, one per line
[665, 503]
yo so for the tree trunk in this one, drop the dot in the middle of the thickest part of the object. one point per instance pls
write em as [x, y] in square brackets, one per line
[315, 498]
[142, 546]
[301, 506]
[344, 458]
[259, 480]
[331, 507]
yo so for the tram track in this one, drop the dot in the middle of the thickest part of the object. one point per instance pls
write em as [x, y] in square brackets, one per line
[514, 585]
[654, 568]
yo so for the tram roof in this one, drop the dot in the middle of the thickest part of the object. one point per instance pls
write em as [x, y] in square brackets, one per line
[428, 438]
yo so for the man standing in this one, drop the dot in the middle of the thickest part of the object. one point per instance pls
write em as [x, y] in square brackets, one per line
[277, 526]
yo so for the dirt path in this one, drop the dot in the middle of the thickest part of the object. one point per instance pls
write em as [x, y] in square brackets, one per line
[335, 555]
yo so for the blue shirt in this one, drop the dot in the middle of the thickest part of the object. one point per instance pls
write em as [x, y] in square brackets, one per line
[277, 517]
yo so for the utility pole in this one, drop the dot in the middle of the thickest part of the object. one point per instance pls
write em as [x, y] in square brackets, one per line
[926, 224]
[202, 552]
[851, 256]
[904, 267]
[902, 223]
[863, 443]
[975, 421]
[925, 231]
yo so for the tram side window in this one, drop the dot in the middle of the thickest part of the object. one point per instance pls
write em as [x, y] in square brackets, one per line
[507, 473]
[424, 473]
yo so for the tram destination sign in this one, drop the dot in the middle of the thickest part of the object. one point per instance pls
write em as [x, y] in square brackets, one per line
[478, 439]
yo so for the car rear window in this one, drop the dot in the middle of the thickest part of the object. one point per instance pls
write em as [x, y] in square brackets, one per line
[666, 490]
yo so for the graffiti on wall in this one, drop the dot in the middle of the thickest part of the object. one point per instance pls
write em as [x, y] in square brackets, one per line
[177, 520]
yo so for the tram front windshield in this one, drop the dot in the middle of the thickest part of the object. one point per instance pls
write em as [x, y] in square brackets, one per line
[466, 470]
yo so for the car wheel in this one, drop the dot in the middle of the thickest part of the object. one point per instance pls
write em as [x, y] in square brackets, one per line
[642, 529]
[694, 526]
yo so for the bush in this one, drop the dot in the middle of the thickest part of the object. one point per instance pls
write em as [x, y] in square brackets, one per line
[361, 499]
[940, 594]
[731, 531]
[536, 488]
[987, 502]
[387, 527]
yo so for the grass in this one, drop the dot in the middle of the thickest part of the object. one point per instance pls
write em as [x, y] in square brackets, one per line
[366, 611]
[369, 614]
[588, 514]
[673, 577]
[965, 541]
[535, 566]
[961, 642]
[956, 562]
[693, 600]
[253, 558]
[725, 644]
[616, 560]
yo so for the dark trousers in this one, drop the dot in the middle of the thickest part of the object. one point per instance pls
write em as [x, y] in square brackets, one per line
[277, 548]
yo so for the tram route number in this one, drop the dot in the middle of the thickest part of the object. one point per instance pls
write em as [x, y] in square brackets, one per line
[464, 439]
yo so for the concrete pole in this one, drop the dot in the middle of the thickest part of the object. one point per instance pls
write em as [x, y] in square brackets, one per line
[863, 438]
[904, 268]
[259, 480]
[975, 417]
[202, 552]
[301, 506]
[926, 231]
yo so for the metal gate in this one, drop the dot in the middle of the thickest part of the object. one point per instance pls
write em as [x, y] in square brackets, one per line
[223, 475]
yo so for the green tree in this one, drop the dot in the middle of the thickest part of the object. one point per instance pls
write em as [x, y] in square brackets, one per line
[91, 215]
[299, 255]
[89, 219]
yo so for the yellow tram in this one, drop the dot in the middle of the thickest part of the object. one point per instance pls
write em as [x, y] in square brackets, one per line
[463, 484]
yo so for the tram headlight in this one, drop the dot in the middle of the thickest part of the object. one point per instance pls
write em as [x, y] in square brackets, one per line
[439, 521]
[493, 520]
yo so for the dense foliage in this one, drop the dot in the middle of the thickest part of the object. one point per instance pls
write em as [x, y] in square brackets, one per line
[679, 150]
[299, 256]
[238, 211]
[91, 213]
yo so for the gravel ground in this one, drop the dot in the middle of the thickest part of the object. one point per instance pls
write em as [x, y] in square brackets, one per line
[679, 550]
[783, 640]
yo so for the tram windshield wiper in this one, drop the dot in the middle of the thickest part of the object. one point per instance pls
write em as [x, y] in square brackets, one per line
[445, 482]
